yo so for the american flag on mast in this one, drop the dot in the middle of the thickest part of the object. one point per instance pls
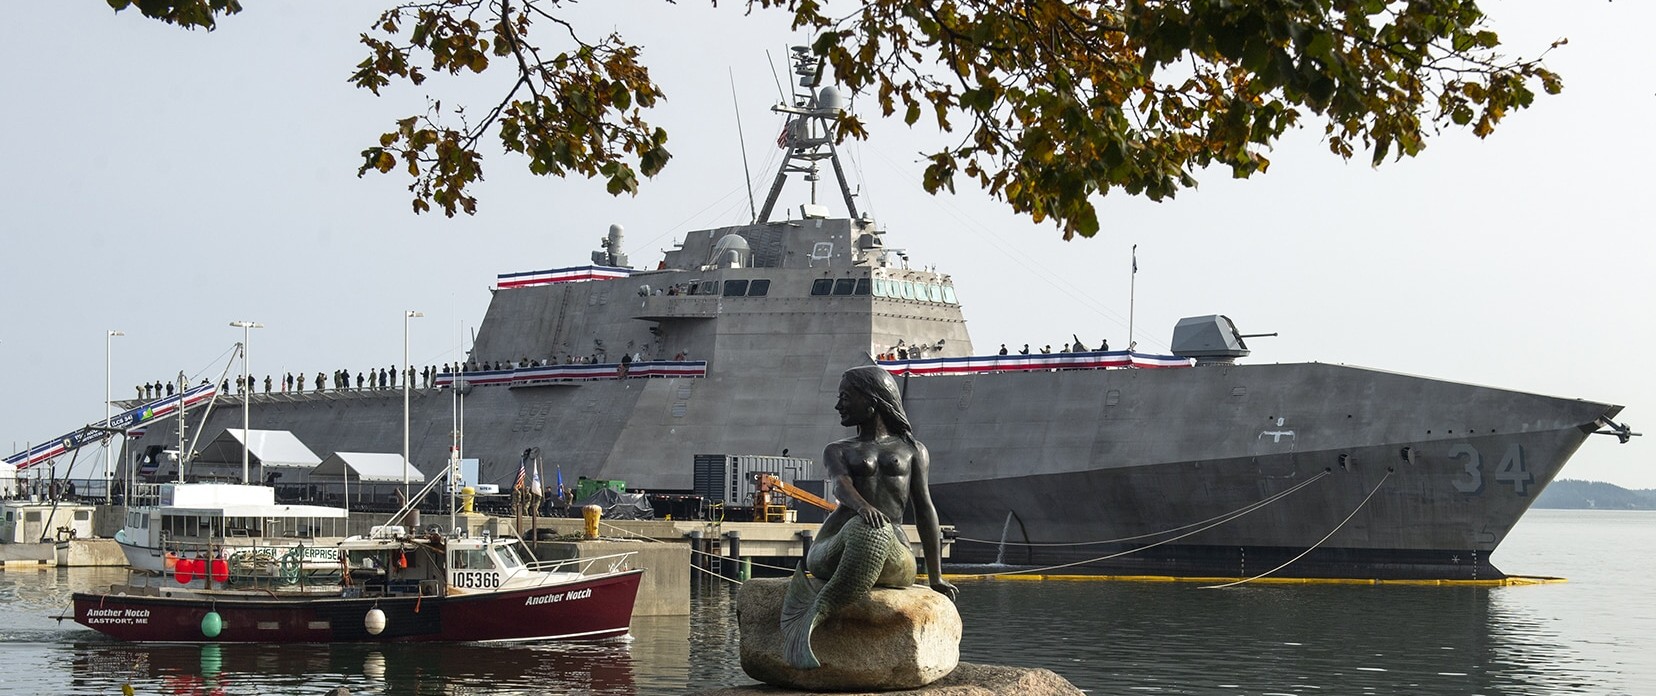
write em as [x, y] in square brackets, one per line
[519, 484]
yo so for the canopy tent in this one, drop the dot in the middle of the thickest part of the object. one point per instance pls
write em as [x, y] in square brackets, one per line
[277, 449]
[368, 467]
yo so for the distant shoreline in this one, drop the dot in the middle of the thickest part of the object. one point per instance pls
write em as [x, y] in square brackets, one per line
[1569, 494]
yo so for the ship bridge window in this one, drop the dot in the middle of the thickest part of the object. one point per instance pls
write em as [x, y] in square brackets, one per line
[759, 288]
[709, 287]
[906, 289]
[735, 288]
[845, 286]
[880, 287]
[822, 286]
[862, 287]
[949, 295]
[934, 291]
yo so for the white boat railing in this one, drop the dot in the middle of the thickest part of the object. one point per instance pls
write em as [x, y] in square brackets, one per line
[583, 566]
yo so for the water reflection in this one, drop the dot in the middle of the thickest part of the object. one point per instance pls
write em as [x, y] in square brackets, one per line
[1589, 636]
[595, 668]
[1176, 638]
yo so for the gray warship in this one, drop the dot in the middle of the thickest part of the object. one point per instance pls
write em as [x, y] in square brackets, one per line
[1190, 465]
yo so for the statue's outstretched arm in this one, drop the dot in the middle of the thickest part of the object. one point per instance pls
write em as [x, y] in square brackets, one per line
[925, 518]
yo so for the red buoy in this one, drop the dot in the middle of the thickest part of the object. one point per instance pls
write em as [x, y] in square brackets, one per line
[184, 571]
[221, 570]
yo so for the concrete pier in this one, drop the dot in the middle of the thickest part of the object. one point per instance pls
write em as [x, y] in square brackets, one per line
[27, 556]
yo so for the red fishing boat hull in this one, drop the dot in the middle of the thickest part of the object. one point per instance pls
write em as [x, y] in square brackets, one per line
[586, 609]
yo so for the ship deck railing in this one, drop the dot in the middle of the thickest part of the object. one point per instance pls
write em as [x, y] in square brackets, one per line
[543, 374]
[1094, 360]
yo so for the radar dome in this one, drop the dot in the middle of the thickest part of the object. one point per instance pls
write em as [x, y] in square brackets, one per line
[731, 250]
[829, 99]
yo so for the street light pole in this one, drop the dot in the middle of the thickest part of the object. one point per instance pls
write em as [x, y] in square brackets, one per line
[109, 453]
[247, 391]
[410, 314]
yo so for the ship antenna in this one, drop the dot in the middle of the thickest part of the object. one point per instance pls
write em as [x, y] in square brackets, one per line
[807, 133]
[747, 175]
[781, 94]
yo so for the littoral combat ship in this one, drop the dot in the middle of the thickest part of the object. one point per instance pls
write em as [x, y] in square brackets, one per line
[1191, 464]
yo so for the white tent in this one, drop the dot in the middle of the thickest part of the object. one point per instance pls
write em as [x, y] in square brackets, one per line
[272, 449]
[367, 467]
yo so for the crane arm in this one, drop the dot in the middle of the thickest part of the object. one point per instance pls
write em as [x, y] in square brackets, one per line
[769, 482]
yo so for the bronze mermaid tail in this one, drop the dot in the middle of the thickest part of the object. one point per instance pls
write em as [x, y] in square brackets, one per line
[846, 566]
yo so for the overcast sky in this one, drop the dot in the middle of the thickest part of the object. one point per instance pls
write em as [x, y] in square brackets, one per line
[165, 183]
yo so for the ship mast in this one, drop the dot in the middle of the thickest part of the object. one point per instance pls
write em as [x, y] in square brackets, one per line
[808, 135]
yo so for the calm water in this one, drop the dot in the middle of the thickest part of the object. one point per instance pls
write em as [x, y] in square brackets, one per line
[1593, 635]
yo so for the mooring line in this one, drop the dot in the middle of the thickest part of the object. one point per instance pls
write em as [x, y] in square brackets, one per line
[1302, 554]
[693, 550]
[1250, 507]
[1169, 540]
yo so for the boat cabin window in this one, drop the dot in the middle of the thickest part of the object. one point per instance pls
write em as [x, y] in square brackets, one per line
[473, 559]
[906, 289]
[862, 287]
[735, 288]
[934, 291]
[879, 287]
[759, 288]
[844, 286]
[693, 287]
[949, 295]
[822, 286]
[710, 287]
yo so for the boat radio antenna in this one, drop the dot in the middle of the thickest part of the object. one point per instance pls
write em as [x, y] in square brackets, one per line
[807, 136]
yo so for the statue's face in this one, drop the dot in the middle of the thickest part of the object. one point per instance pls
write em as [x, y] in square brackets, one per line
[855, 408]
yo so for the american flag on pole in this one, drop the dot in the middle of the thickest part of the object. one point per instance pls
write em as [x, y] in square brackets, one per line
[521, 473]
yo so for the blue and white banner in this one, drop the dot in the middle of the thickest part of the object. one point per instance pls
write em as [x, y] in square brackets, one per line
[132, 421]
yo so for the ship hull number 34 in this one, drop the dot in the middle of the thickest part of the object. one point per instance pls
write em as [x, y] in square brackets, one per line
[1510, 470]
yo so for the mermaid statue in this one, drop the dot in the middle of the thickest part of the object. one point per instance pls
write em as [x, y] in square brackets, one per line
[876, 474]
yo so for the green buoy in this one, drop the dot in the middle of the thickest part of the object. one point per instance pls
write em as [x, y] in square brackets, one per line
[212, 624]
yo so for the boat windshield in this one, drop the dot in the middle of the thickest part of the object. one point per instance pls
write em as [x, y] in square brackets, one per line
[509, 558]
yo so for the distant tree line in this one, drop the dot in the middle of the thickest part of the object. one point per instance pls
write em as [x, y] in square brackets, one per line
[1569, 494]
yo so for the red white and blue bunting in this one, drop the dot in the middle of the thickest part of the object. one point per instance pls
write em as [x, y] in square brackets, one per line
[526, 279]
